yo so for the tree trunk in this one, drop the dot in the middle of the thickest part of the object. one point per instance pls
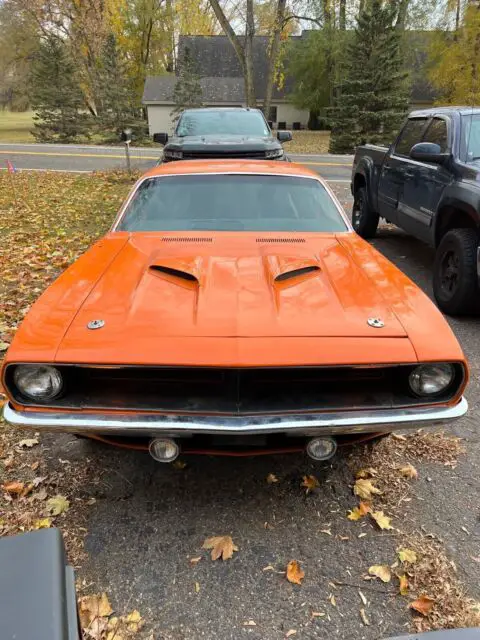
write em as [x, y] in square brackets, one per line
[274, 55]
[343, 15]
[250, 96]
[402, 15]
[244, 53]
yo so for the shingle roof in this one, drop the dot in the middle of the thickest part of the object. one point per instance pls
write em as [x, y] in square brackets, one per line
[227, 90]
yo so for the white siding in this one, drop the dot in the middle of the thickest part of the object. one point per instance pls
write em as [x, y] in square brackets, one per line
[290, 114]
[159, 118]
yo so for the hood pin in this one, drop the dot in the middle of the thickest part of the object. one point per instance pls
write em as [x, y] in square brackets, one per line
[377, 323]
[95, 324]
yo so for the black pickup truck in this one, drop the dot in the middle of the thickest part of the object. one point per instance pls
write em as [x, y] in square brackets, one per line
[222, 133]
[428, 183]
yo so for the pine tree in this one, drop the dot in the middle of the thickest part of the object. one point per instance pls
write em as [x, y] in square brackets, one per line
[373, 97]
[188, 91]
[56, 97]
[114, 94]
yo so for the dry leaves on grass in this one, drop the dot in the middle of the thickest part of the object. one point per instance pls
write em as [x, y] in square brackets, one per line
[295, 573]
[423, 604]
[221, 546]
[407, 555]
[310, 483]
[57, 505]
[381, 571]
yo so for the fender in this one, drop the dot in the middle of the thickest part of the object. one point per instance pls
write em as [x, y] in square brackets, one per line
[366, 169]
[459, 200]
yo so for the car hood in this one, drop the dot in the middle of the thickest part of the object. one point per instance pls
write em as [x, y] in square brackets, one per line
[195, 143]
[231, 286]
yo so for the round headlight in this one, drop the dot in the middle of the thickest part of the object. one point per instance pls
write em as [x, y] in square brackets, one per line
[38, 382]
[431, 379]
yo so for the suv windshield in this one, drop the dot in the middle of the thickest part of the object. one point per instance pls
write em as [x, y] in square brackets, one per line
[470, 140]
[221, 122]
[231, 202]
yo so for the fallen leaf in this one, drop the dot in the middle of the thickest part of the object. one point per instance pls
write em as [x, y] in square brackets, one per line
[28, 443]
[310, 483]
[14, 487]
[333, 602]
[221, 546]
[272, 478]
[409, 471]
[381, 519]
[134, 621]
[328, 532]
[403, 586]
[381, 571]
[364, 489]
[40, 495]
[34, 466]
[57, 505]
[92, 607]
[358, 512]
[423, 604]
[96, 629]
[195, 560]
[4, 346]
[42, 523]
[295, 573]
[291, 632]
[399, 436]
[369, 472]
[407, 555]
[364, 618]
[362, 597]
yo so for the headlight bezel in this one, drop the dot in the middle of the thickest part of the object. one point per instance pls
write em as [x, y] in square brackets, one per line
[274, 154]
[446, 369]
[30, 369]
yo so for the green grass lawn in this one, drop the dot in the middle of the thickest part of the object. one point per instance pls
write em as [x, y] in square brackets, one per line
[16, 127]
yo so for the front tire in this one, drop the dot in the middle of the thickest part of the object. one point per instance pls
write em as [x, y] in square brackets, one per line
[455, 278]
[364, 219]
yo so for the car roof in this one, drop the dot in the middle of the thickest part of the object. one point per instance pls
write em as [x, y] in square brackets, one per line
[445, 110]
[260, 167]
[220, 109]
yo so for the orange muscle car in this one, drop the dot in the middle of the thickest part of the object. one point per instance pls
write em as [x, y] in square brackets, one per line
[231, 308]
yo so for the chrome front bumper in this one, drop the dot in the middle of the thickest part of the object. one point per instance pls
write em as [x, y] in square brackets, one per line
[334, 423]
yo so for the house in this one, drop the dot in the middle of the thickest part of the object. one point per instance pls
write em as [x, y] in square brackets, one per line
[222, 83]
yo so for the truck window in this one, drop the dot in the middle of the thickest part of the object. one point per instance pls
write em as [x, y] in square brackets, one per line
[437, 133]
[411, 134]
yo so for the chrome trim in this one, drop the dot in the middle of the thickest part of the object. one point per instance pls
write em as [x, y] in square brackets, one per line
[177, 425]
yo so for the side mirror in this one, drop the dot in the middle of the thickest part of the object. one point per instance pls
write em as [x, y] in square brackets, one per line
[161, 138]
[428, 152]
[284, 136]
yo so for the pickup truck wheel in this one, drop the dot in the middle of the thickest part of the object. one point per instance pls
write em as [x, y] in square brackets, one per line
[364, 219]
[455, 279]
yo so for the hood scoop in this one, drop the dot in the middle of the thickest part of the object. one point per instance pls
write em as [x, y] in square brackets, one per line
[290, 270]
[184, 272]
[296, 273]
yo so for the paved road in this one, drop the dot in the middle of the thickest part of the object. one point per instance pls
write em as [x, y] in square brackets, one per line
[90, 158]
[149, 520]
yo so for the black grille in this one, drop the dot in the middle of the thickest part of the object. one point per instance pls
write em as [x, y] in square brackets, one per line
[222, 155]
[228, 391]
[282, 240]
[185, 239]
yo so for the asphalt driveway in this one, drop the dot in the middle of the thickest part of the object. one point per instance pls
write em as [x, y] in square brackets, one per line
[148, 521]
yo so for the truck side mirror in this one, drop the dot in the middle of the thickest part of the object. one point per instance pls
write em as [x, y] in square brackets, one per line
[161, 138]
[428, 152]
[284, 136]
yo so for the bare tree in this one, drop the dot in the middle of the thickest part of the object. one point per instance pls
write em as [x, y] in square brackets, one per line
[274, 53]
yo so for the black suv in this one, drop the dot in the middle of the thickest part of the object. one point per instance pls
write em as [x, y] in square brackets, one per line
[222, 133]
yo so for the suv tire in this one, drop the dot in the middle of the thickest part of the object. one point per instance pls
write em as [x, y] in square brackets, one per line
[364, 219]
[455, 278]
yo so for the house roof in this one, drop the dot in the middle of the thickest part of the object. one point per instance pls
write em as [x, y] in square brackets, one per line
[222, 77]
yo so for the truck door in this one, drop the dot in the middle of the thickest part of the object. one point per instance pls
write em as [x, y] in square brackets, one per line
[392, 175]
[424, 184]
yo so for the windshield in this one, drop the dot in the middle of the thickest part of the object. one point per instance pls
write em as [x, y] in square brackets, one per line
[231, 203]
[221, 122]
[470, 141]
